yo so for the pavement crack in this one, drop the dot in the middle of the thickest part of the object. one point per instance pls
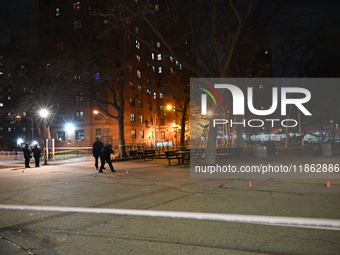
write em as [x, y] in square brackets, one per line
[17, 246]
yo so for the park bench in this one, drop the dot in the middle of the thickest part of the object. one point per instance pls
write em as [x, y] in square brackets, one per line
[136, 154]
[196, 153]
[235, 152]
[149, 154]
[172, 155]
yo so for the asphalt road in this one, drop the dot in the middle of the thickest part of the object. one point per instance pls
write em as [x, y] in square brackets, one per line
[152, 185]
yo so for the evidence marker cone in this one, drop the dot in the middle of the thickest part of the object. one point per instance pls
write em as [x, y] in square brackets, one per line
[250, 184]
[328, 184]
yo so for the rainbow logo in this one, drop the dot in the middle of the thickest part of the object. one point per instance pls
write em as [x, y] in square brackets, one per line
[216, 98]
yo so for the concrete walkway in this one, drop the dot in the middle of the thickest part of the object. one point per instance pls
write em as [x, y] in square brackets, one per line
[153, 185]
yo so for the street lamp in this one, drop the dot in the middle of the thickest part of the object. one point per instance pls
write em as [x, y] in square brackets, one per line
[69, 127]
[168, 107]
[43, 114]
[96, 112]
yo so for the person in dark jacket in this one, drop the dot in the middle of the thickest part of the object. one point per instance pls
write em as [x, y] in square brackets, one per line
[96, 149]
[105, 156]
[27, 156]
[36, 154]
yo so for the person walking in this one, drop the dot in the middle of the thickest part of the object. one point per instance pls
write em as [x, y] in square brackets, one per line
[96, 149]
[27, 155]
[105, 156]
[36, 154]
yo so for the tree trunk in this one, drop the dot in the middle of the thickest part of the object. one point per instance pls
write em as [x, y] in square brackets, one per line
[237, 138]
[121, 137]
[184, 115]
[210, 151]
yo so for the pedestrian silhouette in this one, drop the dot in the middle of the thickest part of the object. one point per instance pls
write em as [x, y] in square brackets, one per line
[105, 157]
[27, 155]
[96, 149]
[36, 154]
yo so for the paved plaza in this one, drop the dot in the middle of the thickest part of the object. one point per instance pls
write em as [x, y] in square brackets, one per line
[155, 186]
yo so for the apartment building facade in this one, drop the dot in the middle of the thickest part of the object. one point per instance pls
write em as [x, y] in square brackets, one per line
[117, 75]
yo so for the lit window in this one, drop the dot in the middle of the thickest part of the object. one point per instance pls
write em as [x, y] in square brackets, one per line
[161, 96]
[139, 74]
[154, 95]
[133, 133]
[162, 134]
[152, 56]
[57, 12]
[131, 85]
[137, 30]
[79, 135]
[76, 6]
[77, 78]
[9, 129]
[139, 88]
[157, 7]
[132, 101]
[137, 44]
[79, 115]
[141, 119]
[171, 59]
[158, 44]
[153, 69]
[132, 117]
[79, 97]
[61, 136]
[77, 24]
[148, 92]
[171, 70]
[98, 132]
[1, 104]
[159, 57]
[141, 134]
[159, 69]
[97, 76]
[24, 129]
[149, 106]
[130, 69]
[138, 58]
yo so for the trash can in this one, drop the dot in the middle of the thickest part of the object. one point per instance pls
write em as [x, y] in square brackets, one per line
[326, 149]
[271, 146]
[264, 151]
[258, 151]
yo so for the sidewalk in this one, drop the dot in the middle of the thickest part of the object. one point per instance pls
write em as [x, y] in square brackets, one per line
[155, 186]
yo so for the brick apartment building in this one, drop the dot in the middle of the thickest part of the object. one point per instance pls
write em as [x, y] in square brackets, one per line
[150, 116]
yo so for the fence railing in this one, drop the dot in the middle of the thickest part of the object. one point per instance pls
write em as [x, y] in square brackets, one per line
[11, 155]
[59, 153]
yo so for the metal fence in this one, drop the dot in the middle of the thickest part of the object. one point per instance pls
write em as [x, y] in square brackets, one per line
[59, 153]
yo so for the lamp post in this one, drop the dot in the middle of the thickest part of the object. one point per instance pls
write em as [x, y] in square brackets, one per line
[96, 112]
[43, 114]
